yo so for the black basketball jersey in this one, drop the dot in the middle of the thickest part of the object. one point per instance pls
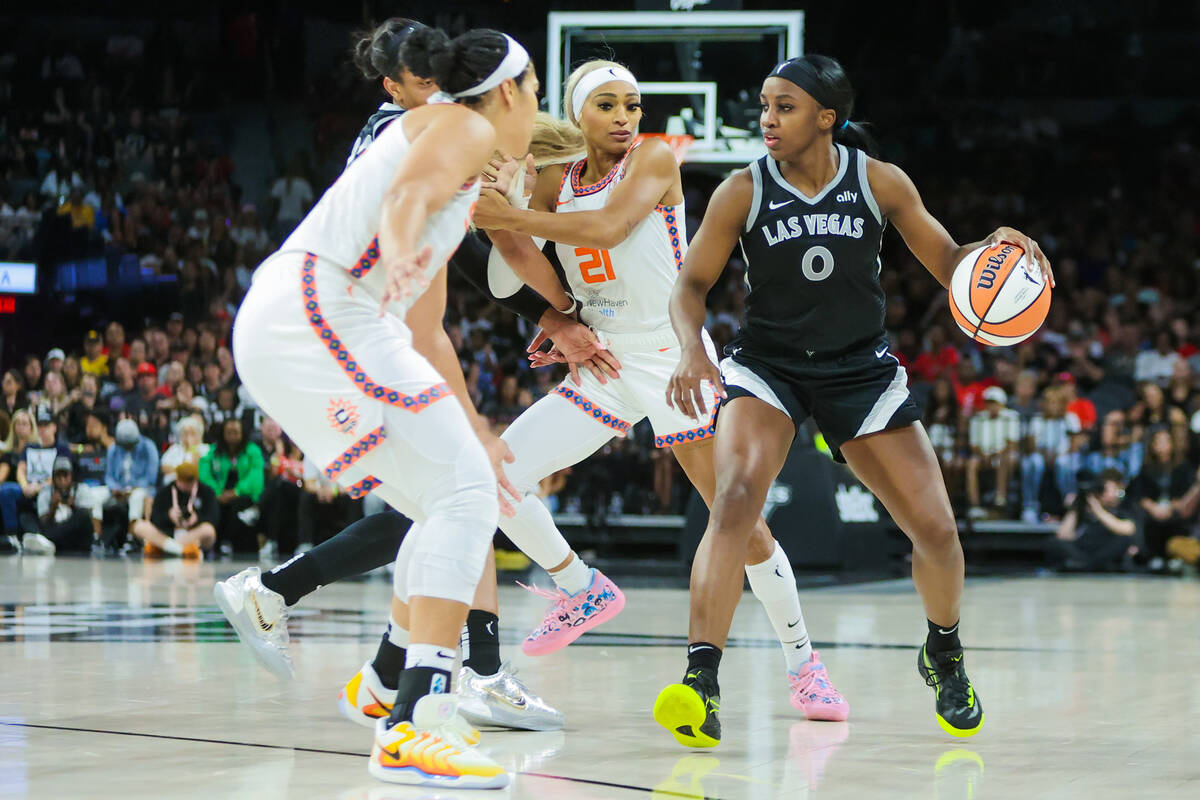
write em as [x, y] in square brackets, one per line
[387, 113]
[812, 262]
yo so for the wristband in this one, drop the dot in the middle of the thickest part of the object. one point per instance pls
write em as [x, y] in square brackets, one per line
[571, 308]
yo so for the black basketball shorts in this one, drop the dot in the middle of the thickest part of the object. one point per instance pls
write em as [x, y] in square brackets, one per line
[860, 392]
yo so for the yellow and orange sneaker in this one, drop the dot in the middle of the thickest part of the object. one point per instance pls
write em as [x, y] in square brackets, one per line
[430, 751]
[365, 701]
[151, 551]
[192, 551]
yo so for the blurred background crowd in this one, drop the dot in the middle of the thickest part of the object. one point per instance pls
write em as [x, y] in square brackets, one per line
[134, 149]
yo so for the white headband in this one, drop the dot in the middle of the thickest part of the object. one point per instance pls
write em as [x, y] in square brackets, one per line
[598, 77]
[513, 66]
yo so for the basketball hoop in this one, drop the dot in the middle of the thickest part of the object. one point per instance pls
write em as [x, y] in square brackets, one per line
[679, 142]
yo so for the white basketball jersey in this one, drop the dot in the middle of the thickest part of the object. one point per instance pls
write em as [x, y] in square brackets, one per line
[626, 288]
[343, 227]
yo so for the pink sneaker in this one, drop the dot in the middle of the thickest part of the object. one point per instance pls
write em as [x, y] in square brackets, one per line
[813, 694]
[573, 614]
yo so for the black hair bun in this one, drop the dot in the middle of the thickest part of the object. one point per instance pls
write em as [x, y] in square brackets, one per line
[428, 53]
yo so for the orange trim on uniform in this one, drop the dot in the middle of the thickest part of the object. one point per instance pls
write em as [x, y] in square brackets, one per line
[596, 412]
[668, 215]
[577, 168]
[369, 387]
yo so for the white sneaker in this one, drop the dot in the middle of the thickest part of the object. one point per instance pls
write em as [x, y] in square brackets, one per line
[503, 699]
[365, 701]
[34, 544]
[260, 618]
[1029, 516]
[430, 751]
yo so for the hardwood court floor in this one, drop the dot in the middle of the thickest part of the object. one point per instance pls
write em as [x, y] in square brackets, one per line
[121, 680]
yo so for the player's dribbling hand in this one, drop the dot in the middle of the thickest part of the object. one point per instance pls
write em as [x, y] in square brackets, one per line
[405, 274]
[1026, 243]
[499, 454]
[685, 391]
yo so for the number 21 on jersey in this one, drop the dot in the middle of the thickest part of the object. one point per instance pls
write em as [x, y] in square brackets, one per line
[595, 265]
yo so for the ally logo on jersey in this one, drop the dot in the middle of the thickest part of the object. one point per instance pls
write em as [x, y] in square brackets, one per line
[813, 225]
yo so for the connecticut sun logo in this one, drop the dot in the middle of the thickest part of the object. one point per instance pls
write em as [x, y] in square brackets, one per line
[342, 415]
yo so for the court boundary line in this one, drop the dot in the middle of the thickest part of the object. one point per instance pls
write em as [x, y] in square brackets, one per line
[320, 751]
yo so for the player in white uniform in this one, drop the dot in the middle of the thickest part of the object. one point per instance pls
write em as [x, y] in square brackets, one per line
[617, 220]
[341, 340]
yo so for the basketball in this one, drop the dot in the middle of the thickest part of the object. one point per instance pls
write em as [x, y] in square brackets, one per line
[997, 296]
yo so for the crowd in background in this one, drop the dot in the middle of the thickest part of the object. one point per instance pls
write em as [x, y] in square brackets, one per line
[99, 154]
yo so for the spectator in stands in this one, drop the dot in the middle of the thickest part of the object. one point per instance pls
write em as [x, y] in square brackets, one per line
[1083, 409]
[1158, 364]
[82, 215]
[142, 405]
[189, 449]
[1151, 410]
[56, 397]
[937, 359]
[1162, 490]
[291, 197]
[114, 341]
[78, 411]
[94, 359]
[72, 374]
[35, 466]
[249, 233]
[12, 386]
[137, 352]
[282, 489]
[1025, 400]
[233, 469]
[122, 385]
[992, 435]
[21, 434]
[212, 381]
[1098, 533]
[1116, 448]
[1046, 440]
[54, 361]
[184, 519]
[64, 523]
[33, 379]
[132, 469]
[159, 342]
[945, 426]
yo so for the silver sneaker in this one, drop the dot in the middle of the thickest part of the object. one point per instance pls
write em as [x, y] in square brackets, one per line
[260, 618]
[504, 700]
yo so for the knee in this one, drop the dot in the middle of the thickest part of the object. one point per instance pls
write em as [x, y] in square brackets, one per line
[736, 506]
[936, 533]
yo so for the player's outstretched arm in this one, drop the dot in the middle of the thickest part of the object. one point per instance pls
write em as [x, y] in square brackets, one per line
[900, 202]
[651, 173]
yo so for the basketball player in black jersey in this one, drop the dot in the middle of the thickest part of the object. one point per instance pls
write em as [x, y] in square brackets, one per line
[809, 217]
[372, 542]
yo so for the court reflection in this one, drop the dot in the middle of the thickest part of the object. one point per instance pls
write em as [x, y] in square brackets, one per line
[957, 775]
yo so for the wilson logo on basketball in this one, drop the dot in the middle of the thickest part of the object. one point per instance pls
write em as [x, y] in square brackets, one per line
[987, 278]
[998, 296]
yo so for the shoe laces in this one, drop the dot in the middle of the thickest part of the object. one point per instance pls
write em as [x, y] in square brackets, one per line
[556, 594]
[949, 675]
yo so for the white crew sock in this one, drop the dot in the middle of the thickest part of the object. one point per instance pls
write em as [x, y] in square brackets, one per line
[396, 634]
[172, 547]
[574, 577]
[774, 584]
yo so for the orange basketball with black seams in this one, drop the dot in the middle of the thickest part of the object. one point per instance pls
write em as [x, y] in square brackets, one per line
[997, 296]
